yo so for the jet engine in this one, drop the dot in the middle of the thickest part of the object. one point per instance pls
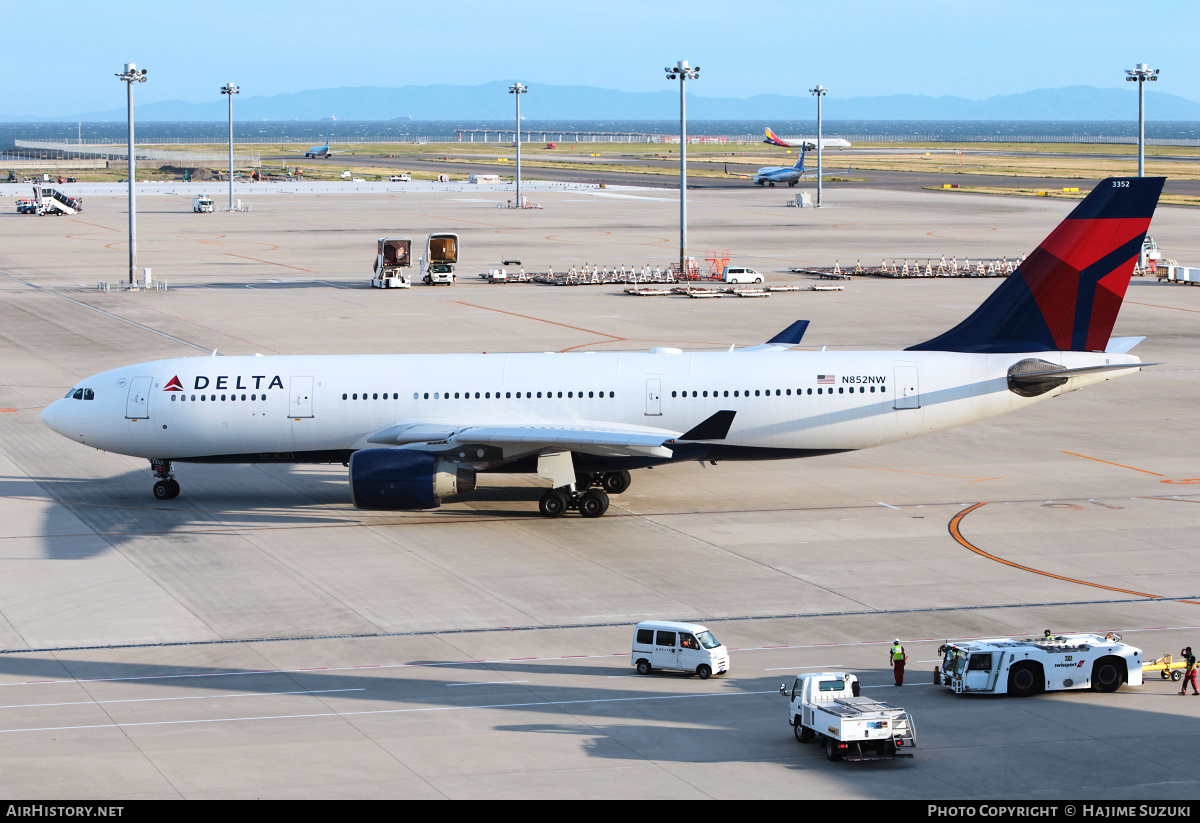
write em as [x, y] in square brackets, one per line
[402, 479]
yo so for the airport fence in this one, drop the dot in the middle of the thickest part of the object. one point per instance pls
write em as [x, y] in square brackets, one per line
[95, 150]
[540, 136]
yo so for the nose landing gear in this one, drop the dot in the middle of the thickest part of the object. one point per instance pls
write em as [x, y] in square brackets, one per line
[166, 487]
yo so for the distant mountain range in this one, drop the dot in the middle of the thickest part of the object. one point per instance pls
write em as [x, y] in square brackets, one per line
[491, 101]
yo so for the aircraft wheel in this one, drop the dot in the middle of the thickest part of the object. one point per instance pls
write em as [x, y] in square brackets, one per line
[553, 504]
[594, 503]
[772, 185]
[174, 484]
[585, 480]
[162, 490]
[616, 482]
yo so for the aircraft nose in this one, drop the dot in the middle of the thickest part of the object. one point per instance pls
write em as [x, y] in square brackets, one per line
[52, 416]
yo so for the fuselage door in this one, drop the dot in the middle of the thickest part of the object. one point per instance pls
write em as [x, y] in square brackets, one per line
[137, 405]
[908, 388]
[654, 397]
[300, 403]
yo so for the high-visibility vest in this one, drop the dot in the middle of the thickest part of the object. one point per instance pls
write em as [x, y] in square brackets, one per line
[897, 653]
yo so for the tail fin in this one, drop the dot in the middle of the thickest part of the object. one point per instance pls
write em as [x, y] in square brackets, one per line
[773, 140]
[1066, 295]
[800, 163]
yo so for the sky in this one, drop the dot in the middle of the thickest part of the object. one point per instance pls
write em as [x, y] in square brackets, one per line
[856, 48]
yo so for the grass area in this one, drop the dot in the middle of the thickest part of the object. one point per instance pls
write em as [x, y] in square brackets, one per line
[1165, 199]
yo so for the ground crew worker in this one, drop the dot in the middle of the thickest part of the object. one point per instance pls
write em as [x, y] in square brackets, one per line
[898, 659]
[1189, 674]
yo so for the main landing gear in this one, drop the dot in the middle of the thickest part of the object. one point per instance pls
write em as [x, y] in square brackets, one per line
[165, 487]
[592, 501]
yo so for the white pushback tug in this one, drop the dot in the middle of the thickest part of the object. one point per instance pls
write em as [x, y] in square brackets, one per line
[1007, 665]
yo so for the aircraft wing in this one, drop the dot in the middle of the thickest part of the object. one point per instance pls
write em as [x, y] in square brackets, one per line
[737, 174]
[603, 439]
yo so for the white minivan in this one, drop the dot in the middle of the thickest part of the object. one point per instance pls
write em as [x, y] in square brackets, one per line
[688, 647]
[741, 274]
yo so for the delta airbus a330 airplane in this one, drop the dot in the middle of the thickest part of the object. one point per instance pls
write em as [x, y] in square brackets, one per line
[414, 428]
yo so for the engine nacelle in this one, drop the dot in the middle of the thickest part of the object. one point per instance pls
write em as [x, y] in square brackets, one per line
[402, 479]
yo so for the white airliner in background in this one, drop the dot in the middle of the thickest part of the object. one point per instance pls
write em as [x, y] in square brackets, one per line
[770, 175]
[324, 151]
[415, 428]
[805, 143]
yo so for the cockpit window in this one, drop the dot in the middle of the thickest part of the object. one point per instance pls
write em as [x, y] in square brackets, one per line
[77, 394]
[69, 393]
[88, 394]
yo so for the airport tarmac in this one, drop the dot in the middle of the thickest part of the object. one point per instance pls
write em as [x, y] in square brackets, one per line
[260, 637]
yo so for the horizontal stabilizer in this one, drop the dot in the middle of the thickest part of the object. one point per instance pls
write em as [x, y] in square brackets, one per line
[1120, 345]
[792, 335]
[714, 428]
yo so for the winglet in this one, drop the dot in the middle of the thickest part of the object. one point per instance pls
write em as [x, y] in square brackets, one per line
[714, 428]
[792, 335]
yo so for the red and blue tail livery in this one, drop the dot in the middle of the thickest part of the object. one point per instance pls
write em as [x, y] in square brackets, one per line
[1065, 296]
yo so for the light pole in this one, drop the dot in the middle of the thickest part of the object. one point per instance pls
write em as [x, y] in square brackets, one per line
[517, 89]
[819, 92]
[230, 90]
[1140, 74]
[130, 76]
[684, 73]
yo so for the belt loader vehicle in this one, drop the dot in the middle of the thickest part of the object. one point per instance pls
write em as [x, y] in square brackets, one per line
[826, 708]
[393, 259]
[1007, 665]
[437, 264]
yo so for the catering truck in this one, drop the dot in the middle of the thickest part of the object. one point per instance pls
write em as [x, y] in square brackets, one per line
[1007, 665]
[826, 708]
[393, 258]
[437, 264]
[202, 203]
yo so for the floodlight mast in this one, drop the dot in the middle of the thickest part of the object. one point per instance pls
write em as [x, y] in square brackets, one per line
[1140, 74]
[230, 90]
[132, 74]
[684, 73]
[820, 91]
[516, 90]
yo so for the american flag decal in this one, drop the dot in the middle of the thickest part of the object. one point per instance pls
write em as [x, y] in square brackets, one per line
[826, 378]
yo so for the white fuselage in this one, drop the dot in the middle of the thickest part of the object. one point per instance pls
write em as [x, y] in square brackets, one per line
[247, 408]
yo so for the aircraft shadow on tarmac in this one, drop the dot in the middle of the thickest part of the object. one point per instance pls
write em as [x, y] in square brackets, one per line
[224, 499]
[1043, 746]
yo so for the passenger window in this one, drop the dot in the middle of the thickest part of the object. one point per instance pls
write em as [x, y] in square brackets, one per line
[756, 393]
[645, 637]
[735, 393]
[810, 391]
[173, 398]
[665, 639]
[590, 394]
[726, 392]
[706, 394]
[194, 398]
[841, 389]
[820, 391]
[476, 395]
[789, 392]
[673, 394]
[456, 395]
[222, 398]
